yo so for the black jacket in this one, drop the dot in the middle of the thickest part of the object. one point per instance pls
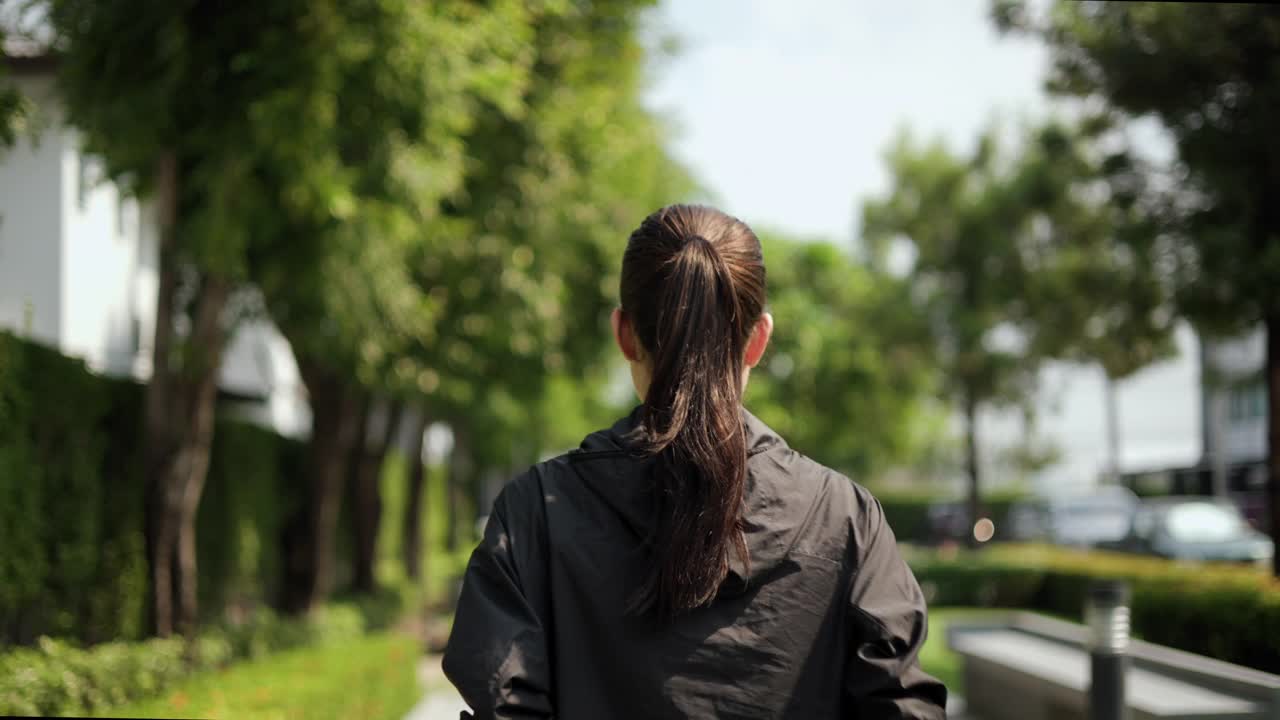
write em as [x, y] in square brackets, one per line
[827, 624]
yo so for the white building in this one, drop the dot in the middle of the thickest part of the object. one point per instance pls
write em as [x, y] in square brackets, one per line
[78, 268]
[1160, 419]
[1235, 407]
[77, 259]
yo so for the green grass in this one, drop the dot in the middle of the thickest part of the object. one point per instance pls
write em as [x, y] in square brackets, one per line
[935, 658]
[372, 678]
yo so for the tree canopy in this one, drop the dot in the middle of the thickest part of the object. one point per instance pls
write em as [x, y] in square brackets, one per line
[1209, 74]
[1016, 261]
[845, 376]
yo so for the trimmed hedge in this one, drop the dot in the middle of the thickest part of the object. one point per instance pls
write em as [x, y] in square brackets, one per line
[57, 678]
[72, 503]
[73, 564]
[254, 487]
[907, 512]
[70, 499]
[1225, 612]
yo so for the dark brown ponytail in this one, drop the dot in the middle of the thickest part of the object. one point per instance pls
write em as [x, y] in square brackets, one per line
[693, 287]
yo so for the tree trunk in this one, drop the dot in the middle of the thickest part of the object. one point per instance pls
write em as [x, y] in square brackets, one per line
[482, 481]
[354, 476]
[334, 409]
[413, 506]
[178, 462]
[368, 499]
[179, 417]
[158, 413]
[463, 476]
[161, 529]
[208, 334]
[1109, 391]
[971, 466]
[1273, 433]
[454, 500]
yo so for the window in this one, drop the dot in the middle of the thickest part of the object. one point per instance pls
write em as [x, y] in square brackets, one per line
[1247, 402]
[82, 181]
[1259, 397]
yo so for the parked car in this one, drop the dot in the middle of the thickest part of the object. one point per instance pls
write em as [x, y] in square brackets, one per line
[1078, 518]
[1195, 528]
[1253, 505]
[948, 522]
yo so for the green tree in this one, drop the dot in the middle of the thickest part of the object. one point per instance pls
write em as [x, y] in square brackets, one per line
[523, 266]
[846, 375]
[13, 106]
[240, 121]
[412, 80]
[180, 100]
[1209, 74]
[1101, 293]
[970, 221]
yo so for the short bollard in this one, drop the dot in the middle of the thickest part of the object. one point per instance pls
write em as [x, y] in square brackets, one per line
[1107, 615]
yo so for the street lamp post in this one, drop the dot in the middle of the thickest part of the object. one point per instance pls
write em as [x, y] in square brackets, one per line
[1107, 615]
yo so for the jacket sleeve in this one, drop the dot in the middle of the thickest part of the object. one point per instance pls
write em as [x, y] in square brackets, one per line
[497, 655]
[889, 622]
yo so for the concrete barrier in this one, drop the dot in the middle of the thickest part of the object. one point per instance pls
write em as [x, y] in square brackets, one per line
[1024, 666]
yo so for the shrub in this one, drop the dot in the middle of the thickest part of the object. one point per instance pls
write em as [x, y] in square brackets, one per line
[72, 501]
[248, 497]
[371, 678]
[1225, 612]
[57, 678]
[907, 512]
[70, 509]
[388, 604]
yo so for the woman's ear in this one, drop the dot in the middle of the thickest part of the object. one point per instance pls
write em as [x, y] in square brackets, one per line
[624, 335]
[759, 339]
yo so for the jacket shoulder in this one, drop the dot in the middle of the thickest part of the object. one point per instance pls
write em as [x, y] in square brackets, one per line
[833, 485]
[839, 500]
[527, 489]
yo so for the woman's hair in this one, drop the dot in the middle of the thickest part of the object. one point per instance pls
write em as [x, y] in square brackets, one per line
[693, 287]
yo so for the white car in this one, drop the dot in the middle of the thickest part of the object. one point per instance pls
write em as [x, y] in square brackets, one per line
[1083, 518]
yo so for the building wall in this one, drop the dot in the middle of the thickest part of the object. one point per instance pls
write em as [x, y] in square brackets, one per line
[79, 271]
[258, 362]
[30, 230]
[1240, 394]
[146, 285]
[1159, 418]
[1245, 439]
[73, 270]
[102, 316]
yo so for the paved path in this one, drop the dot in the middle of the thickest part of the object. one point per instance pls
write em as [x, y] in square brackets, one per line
[441, 701]
[955, 709]
[438, 706]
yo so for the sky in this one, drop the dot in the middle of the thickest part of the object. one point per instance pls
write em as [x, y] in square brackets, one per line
[783, 110]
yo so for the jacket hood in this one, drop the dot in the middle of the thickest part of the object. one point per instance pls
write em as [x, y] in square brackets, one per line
[620, 476]
[760, 437]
